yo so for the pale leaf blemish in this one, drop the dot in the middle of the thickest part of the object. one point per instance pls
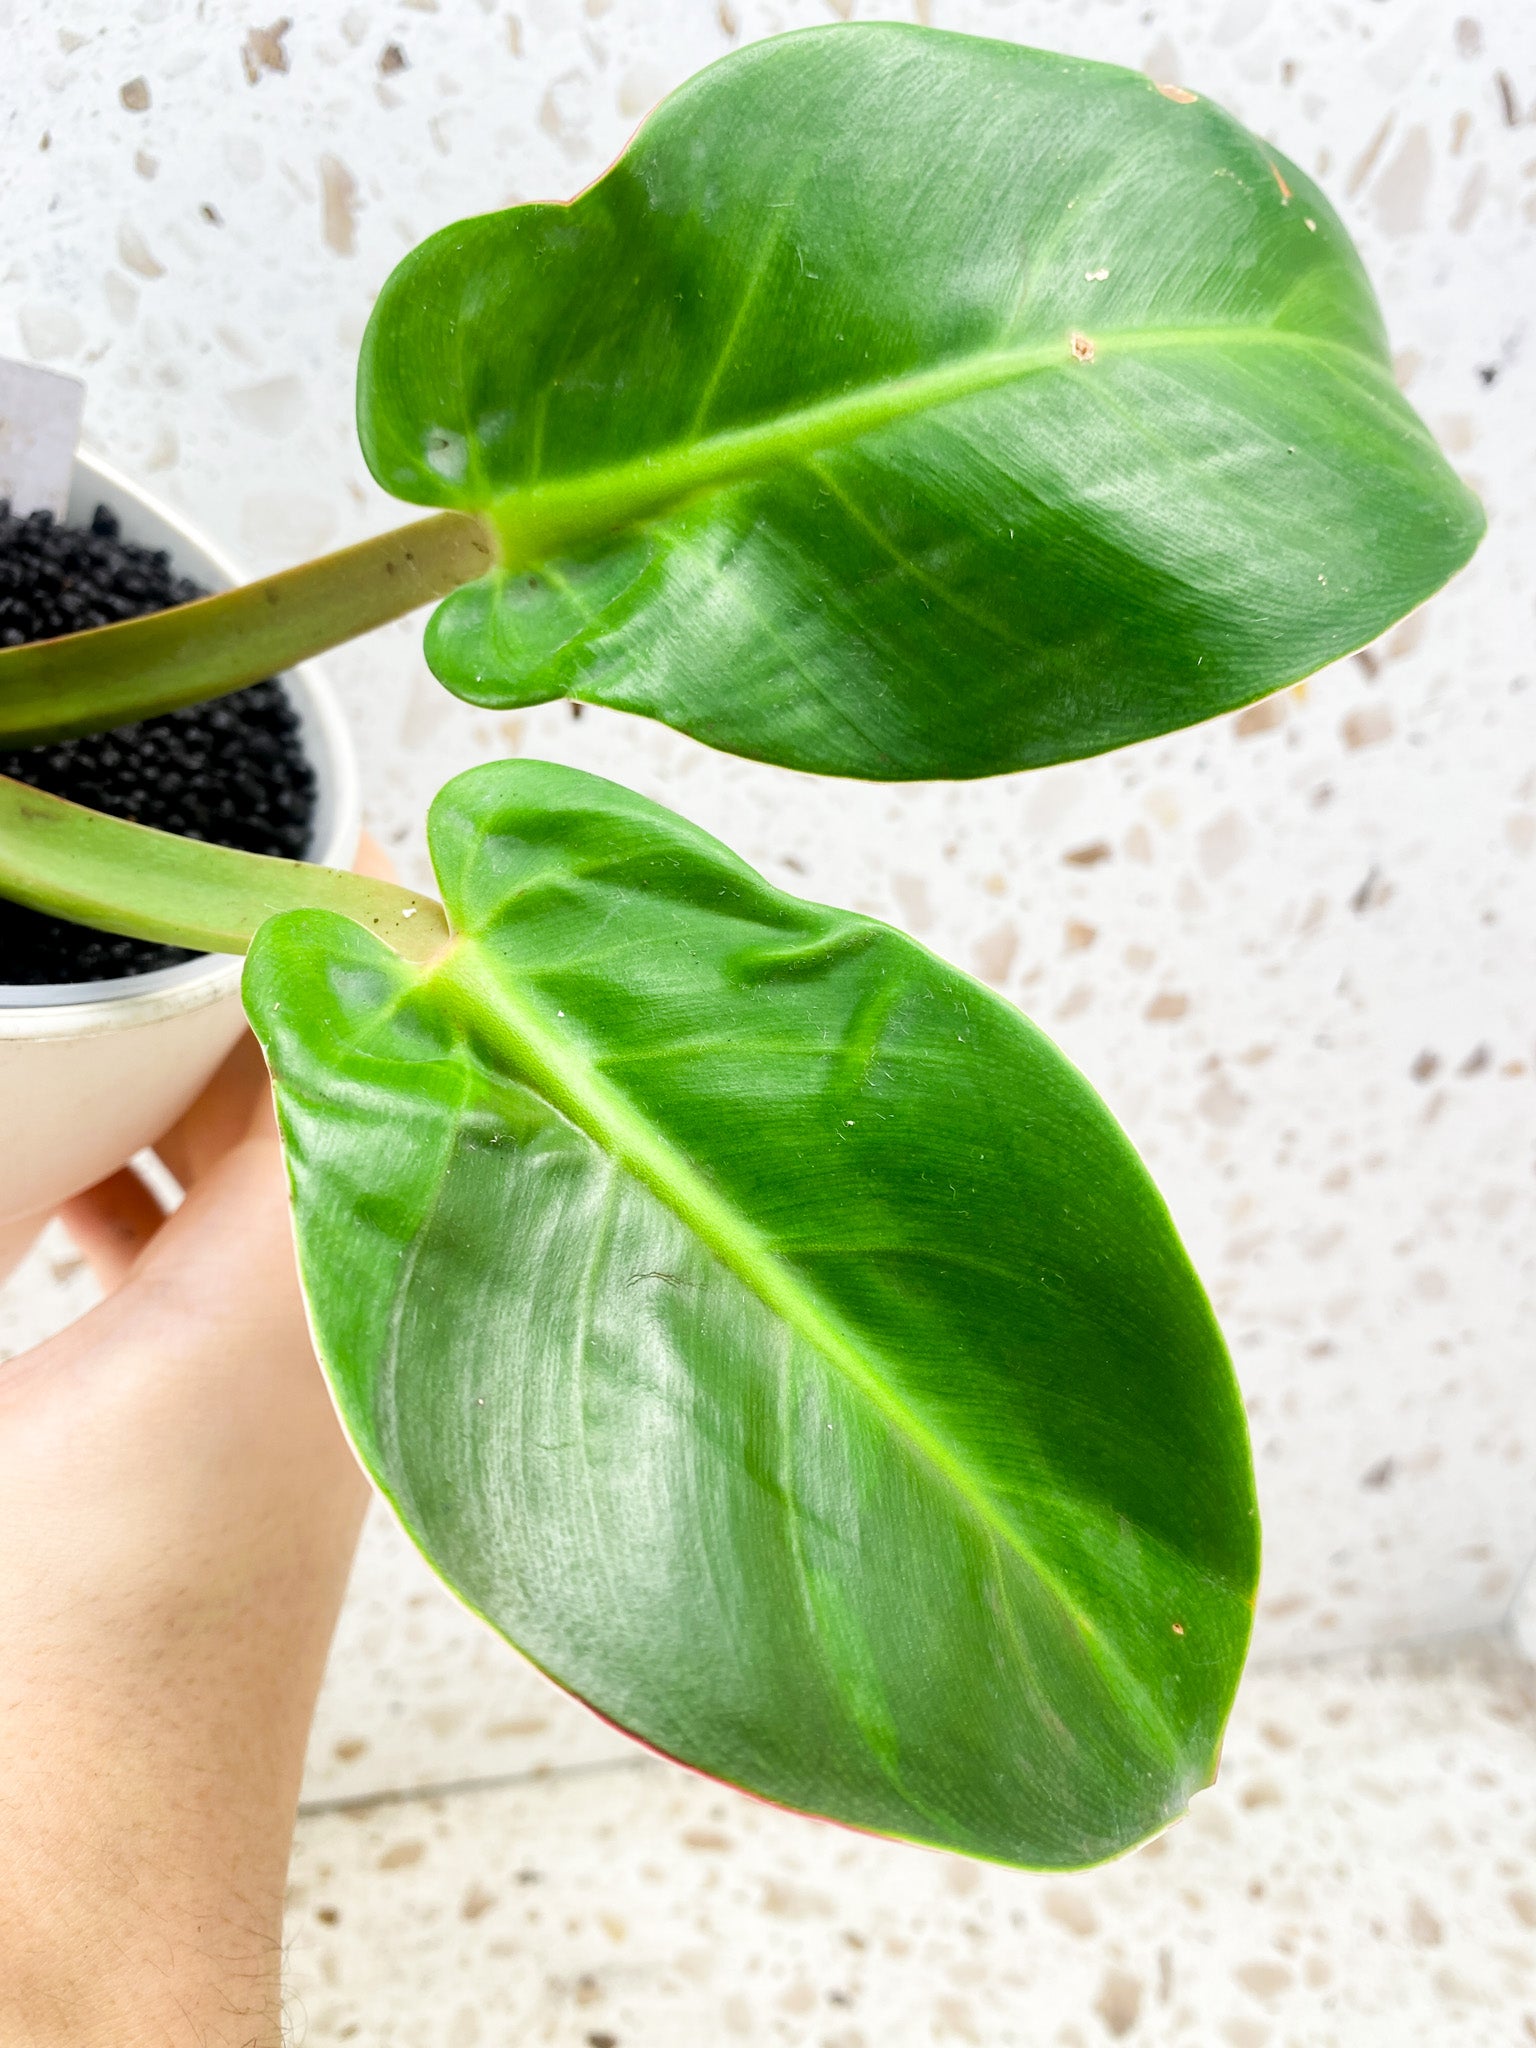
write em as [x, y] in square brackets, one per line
[1311, 224]
[1082, 349]
[1179, 94]
[1095, 276]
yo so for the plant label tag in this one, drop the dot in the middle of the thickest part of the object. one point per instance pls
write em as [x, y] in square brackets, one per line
[39, 426]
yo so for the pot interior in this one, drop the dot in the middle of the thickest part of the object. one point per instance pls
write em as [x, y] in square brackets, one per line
[334, 832]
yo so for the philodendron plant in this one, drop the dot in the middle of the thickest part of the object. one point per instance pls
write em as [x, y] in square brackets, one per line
[756, 1321]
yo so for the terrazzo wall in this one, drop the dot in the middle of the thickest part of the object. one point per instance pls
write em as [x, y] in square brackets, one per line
[1294, 949]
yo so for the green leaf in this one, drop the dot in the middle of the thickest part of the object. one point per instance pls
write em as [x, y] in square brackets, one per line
[768, 1331]
[907, 404]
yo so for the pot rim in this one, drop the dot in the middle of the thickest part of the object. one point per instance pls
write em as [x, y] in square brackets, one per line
[73, 1009]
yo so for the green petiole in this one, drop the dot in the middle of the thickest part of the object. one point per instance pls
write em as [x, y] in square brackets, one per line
[78, 864]
[90, 682]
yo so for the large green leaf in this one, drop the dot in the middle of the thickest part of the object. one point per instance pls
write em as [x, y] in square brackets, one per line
[909, 404]
[767, 1330]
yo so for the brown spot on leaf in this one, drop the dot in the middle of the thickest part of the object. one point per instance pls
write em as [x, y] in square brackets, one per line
[1180, 95]
[1082, 349]
[1285, 190]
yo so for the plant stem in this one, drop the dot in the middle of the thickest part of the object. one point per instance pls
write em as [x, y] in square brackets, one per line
[59, 857]
[90, 682]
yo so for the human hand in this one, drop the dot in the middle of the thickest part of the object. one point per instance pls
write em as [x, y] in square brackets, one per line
[179, 1514]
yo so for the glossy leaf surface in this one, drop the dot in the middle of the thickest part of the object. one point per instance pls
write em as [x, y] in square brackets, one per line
[767, 1330]
[908, 404]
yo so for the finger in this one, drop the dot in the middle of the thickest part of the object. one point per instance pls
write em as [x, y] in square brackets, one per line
[371, 859]
[222, 1116]
[238, 1100]
[111, 1223]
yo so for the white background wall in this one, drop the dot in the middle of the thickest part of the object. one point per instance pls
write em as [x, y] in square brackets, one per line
[1303, 971]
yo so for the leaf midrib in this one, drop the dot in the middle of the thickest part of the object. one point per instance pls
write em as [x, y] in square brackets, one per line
[532, 522]
[574, 1086]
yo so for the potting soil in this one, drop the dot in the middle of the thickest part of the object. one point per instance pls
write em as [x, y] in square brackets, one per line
[232, 772]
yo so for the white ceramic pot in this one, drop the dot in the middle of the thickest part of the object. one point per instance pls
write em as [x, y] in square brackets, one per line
[92, 1071]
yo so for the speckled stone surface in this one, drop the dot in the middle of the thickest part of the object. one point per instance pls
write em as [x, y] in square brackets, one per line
[1294, 950]
[1364, 1875]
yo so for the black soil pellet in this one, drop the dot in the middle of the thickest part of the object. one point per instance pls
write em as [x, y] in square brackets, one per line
[232, 772]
